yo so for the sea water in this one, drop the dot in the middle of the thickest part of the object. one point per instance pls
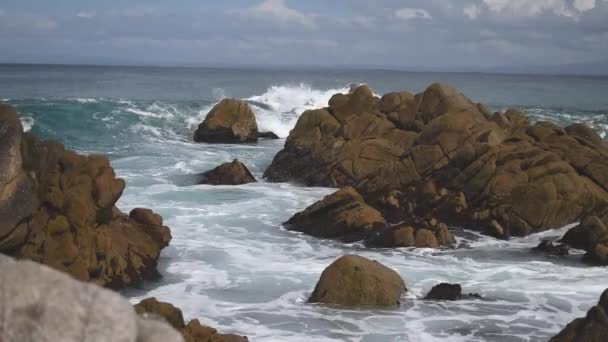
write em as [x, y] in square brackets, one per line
[230, 262]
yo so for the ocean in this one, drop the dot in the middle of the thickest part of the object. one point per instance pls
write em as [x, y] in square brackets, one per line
[230, 262]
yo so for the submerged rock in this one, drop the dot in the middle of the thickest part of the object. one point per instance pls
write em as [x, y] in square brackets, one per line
[43, 305]
[356, 281]
[58, 208]
[438, 154]
[231, 121]
[193, 331]
[430, 234]
[234, 173]
[268, 135]
[445, 291]
[550, 248]
[341, 215]
[591, 328]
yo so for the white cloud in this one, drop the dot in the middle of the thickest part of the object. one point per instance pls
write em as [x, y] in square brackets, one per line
[412, 13]
[86, 14]
[528, 8]
[278, 12]
[472, 11]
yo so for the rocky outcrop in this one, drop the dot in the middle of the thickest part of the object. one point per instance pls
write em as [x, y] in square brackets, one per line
[446, 291]
[40, 304]
[591, 328]
[192, 332]
[590, 235]
[356, 281]
[234, 173]
[58, 208]
[341, 215]
[439, 155]
[230, 122]
[426, 234]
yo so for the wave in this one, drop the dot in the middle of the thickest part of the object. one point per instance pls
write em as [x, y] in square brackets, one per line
[27, 122]
[85, 100]
[598, 120]
[278, 109]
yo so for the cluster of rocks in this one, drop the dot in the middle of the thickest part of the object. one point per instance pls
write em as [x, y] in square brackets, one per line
[415, 164]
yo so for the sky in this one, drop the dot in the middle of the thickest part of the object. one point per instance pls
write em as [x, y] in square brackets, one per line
[440, 35]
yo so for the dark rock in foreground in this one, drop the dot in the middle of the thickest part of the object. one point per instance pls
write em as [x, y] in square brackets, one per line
[230, 122]
[356, 281]
[43, 305]
[445, 291]
[439, 155]
[268, 135]
[192, 332]
[234, 173]
[550, 248]
[58, 208]
[591, 328]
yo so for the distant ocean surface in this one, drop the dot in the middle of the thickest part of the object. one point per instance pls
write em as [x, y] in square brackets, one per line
[231, 264]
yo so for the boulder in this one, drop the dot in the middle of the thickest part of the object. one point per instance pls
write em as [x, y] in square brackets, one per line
[342, 215]
[445, 291]
[43, 305]
[234, 173]
[591, 328]
[230, 122]
[439, 155]
[192, 332]
[58, 208]
[356, 281]
[430, 234]
[590, 235]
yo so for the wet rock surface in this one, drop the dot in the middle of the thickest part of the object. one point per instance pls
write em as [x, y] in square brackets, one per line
[234, 173]
[231, 121]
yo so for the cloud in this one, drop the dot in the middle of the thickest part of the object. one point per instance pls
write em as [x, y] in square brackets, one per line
[86, 14]
[472, 11]
[533, 8]
[412, 13]
[277, 11]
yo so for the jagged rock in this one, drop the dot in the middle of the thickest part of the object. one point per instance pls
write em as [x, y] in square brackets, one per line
[57, 208]
[234, 173]
[230, 121]
[591, 328]
[192, 332]
[549, 247]
[356, 281]
[341, 215]
[40, 304]
[494, 173]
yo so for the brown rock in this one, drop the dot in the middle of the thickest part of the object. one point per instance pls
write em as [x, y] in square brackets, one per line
[193, 331]
[356, 281]
[230, 121]
[425, 235]
[591, 328]
[590, 235]
[234, 173]
[341, 215]
[445, 291]
[58, 209]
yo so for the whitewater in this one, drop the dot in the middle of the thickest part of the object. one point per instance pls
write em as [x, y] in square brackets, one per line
[232, 265]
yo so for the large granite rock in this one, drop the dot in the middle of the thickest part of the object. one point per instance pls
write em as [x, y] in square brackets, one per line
[439, 155]
[192, 332]
[230, 121]
[591, 328]
[58, 208]
[356, 281]
[341, 215]
[40, 304]
[235, 173]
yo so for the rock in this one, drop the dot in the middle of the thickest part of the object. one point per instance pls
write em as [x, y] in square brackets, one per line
[495, 173]
[234, 173]
[445, 291]
[59, 209]
[591, 328]
[192, 332]
[41, 304]
[231, 121]
[425, 235]
[341, 215]
[268, 135]
[548, 247]
[356, 281]
[590, 235]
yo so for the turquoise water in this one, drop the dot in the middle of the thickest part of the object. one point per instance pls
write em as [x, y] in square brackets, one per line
[230, 262]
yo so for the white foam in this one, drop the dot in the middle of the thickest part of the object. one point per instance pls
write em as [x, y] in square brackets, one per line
[85, 100]
[27, 122]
